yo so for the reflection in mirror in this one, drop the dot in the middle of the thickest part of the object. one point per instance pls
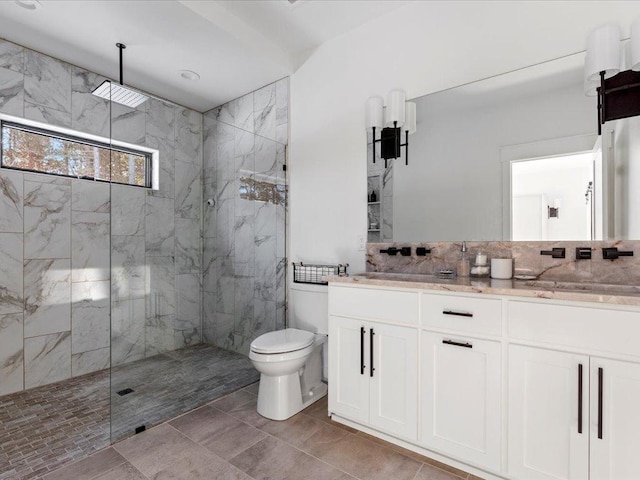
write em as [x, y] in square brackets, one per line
[512, 157]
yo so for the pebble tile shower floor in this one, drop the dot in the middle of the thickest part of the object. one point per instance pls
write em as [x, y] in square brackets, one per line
[44, 428]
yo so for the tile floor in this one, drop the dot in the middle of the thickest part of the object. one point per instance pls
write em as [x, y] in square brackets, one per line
[175, 382]
[227, 439]
[44, 428]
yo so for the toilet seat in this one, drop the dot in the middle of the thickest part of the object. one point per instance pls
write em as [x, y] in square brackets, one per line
[282, 341]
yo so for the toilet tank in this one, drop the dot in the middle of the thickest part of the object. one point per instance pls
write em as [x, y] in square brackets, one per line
[309, 310]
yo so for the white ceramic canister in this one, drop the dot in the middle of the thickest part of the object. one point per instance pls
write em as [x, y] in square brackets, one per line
[502, 268]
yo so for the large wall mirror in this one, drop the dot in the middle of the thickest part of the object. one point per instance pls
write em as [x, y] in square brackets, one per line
[513, 157]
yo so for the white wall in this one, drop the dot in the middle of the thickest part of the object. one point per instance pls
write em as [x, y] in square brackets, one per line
[422, 47]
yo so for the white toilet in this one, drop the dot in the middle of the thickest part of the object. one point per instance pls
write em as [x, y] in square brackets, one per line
[290, 366]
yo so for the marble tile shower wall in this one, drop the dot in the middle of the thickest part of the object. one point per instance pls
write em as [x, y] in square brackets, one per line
[55, 246]
[244, 235]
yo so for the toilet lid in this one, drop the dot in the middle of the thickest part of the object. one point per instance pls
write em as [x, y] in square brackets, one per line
[282, 341]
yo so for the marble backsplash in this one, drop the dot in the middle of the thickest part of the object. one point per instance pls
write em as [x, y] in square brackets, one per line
[526, 256]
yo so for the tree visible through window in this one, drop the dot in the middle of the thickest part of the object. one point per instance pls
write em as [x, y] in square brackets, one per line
[36, 150]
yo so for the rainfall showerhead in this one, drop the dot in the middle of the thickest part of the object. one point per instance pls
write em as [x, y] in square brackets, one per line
[119, 93]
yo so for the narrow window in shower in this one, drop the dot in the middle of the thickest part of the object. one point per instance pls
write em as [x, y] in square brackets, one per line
[71, 154]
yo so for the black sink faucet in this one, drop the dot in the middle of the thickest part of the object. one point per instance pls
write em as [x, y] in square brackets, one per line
[611, 253]
[554, 252]
[404, 251]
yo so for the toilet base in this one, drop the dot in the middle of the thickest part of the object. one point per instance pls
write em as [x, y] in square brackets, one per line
[280, 398]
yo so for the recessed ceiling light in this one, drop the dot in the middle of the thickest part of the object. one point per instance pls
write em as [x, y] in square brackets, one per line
[29, 4]
[189, 75]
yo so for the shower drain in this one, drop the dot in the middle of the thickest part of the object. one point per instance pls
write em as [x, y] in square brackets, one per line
[126, 391]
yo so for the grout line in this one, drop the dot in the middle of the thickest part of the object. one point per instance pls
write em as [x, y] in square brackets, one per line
[430, 465]
[418, 472]
[277, 438]
[294, 446]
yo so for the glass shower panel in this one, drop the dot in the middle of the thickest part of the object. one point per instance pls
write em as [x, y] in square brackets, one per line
[244, 244]
[194, 281]
[156, 262]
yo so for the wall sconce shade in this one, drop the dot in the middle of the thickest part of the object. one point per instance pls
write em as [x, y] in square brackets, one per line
[409, 118]
[375, 112]
[591, 87]
[603, 52]
[400, 117]
[395, 108]
[618, 92]
[635, 45]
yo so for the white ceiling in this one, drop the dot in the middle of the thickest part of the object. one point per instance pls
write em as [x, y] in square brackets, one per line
[235, 46]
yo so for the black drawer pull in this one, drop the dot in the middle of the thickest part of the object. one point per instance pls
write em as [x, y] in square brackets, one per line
[579, 398]
[371, 342]
[362, 366]
[600, 399]
[458, 314]
[457, 344]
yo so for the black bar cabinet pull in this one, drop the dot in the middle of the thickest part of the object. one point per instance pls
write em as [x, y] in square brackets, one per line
[371, 369]
[457, 344]
[579, 398]
[600, 375]
[362, 334]
[459, 314]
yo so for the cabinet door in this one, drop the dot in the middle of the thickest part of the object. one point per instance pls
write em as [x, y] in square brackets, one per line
[461, 397]
[348, 368]
[548, 422]
[615, 420]
[394, 380]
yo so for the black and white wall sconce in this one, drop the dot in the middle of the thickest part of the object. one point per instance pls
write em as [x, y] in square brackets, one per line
[553, 211]
[394, 120]
[618, 91]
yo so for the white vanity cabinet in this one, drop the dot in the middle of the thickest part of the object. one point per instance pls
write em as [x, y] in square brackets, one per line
[461, 376]
[573, 414]
[461, 404]
[373, 365]
[502, 386]
[348, 374]
[548, 414]
[615, 420]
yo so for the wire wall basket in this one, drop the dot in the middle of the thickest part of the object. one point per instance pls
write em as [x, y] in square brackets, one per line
[314, 274]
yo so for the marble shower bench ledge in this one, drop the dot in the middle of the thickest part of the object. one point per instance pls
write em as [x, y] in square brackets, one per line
[555, 290]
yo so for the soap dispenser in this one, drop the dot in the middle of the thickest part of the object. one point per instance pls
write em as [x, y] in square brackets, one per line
[464, 263]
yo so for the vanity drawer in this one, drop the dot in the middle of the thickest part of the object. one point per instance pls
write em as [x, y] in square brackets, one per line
[376, 304]
[468, 314]
[589, 326]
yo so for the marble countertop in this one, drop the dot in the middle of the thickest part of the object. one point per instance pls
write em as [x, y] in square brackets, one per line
[572, 291]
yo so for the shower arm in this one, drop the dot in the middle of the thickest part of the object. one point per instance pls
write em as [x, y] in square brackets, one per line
[121, 47]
